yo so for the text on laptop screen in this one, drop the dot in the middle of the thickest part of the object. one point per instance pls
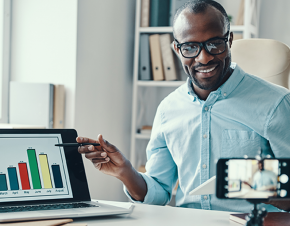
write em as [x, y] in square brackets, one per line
[33, 168]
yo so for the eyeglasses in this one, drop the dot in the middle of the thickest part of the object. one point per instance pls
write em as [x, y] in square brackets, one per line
[214, 46]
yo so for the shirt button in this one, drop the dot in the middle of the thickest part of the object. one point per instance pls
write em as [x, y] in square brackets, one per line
[225, 94]
[206, 108]
[204, 136]
[204, 166]
[205, 197]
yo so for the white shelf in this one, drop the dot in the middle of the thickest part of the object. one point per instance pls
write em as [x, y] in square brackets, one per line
[155, 29]
[140, 87]
[237, 28]
[142, 136]
[161, 83]
[234, 28]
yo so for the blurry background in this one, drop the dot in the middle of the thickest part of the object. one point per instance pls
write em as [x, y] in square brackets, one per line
[88, 46]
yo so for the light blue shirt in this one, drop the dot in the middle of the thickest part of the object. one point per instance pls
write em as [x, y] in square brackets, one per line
[189, 135]
[264, 179]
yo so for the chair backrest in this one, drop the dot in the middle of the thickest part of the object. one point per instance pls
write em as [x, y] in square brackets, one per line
[265, 58]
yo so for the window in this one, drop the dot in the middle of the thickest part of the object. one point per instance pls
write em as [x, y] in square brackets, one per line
[5, 18]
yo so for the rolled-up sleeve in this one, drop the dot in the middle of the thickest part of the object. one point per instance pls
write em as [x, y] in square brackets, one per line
[161, 170]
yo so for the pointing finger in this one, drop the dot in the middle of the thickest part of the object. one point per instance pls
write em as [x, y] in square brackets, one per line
[106, 145]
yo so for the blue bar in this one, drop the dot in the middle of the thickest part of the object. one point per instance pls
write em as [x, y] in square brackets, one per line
[3, 182]
[12, 174]
[57, 176]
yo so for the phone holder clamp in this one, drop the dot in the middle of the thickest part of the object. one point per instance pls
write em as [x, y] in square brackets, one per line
[256, 217]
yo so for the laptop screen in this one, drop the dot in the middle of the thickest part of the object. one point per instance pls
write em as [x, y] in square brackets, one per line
[33, 168]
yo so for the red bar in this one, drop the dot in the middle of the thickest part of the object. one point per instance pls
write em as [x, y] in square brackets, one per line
[24, 176]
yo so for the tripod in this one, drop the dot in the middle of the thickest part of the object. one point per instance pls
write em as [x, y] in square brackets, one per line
[256, 217]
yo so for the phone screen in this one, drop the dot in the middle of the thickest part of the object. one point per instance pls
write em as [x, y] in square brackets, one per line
[253, 179]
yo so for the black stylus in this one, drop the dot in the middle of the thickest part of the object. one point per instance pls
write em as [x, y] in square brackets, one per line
[76, 144]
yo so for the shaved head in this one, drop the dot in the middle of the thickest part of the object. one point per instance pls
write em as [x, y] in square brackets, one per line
[200, 6]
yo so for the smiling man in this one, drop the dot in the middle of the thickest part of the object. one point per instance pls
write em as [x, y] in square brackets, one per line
[220, 112]
[204, 45]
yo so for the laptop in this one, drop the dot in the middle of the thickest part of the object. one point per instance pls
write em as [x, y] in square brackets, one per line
[39, 180]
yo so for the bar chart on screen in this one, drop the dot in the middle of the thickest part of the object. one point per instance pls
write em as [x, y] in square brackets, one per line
[32, 167]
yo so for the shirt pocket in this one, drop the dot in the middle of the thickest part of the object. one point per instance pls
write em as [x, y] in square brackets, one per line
[238, 143]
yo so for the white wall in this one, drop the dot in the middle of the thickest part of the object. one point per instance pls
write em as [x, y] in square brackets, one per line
[104, 82]
[43, 45]
[96, 69]
[275, 20]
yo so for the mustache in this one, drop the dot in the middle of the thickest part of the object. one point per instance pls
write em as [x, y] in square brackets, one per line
[204, 65]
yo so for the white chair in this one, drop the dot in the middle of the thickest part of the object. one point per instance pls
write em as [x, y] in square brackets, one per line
[265, 58]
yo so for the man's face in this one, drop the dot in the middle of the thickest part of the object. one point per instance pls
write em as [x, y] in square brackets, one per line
[206, 71]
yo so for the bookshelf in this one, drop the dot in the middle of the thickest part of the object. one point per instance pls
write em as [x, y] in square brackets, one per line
[148, 94]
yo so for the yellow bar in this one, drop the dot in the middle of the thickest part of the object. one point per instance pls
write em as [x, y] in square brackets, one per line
[45, 171]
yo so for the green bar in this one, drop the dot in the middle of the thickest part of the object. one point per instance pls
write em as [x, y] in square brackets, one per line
[33, 169]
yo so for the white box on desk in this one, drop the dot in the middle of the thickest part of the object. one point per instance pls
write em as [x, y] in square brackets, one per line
[31, 104]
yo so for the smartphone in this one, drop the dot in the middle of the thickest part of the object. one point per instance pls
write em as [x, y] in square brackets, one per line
[253, 179]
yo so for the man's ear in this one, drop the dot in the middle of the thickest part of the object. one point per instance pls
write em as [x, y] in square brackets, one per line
[231, 39]
[175, 49]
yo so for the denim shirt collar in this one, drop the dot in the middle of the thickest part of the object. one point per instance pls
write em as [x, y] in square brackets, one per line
[225, 89]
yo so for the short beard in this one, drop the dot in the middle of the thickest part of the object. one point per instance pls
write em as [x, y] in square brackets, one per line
[218, 83]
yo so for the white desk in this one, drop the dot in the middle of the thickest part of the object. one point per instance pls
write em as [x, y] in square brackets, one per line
[149, 215]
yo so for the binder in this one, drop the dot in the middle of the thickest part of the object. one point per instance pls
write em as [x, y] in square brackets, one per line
[31, 104]
[174, 5]
[58, 106]
[240, 17]
[144, 64]
[159, 13]
[156, 59]
[167, 57]
[145, 9]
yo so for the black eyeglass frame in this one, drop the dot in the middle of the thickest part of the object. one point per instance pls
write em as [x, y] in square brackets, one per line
[202, 44]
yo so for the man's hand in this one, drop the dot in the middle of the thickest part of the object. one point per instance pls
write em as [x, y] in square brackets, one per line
[106, 157]
[109, 160]
[245, 182]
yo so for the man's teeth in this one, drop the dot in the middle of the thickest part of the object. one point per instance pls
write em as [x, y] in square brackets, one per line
[206, 71]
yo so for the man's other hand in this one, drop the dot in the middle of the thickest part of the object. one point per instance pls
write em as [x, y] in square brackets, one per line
[106, 157]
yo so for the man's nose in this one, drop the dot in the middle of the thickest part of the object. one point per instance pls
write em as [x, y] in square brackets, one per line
[204, 57]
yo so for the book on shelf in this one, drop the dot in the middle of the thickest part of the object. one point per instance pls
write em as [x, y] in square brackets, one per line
[237, 36]
[240, 16]
[272, 219]
[156, 58]
[144, 64]
[58, 106]
[178, 65]
[145, 130]
[145, 10]
[142, 169]
[167, 57]
[159, 13]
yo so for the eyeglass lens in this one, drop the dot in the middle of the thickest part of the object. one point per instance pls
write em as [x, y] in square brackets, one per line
[214, 47]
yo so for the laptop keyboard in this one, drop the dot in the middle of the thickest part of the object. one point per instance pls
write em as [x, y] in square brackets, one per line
[45, 207]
